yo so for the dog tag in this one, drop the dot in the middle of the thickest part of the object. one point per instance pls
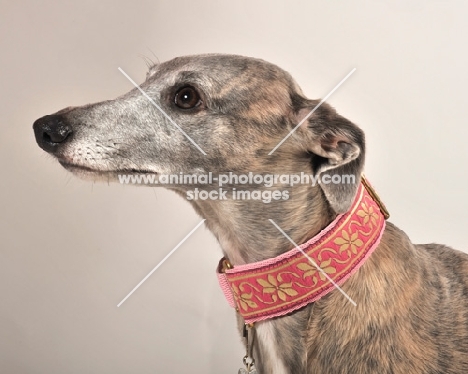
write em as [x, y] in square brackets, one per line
[248, 360]
[244, 371]
[249, 363]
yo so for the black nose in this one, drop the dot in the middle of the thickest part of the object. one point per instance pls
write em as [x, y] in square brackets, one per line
[51, 132]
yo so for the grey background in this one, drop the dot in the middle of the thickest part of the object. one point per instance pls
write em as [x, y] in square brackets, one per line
[71, 250]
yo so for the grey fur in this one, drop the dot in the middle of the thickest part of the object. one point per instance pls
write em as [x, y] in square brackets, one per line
[412, 313]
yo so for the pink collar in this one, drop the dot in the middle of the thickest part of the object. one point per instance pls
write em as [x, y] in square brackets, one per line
[281, 285]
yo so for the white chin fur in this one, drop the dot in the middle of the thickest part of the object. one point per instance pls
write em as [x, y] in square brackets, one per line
[92, 175]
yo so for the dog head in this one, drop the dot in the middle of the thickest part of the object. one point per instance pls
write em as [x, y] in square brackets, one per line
[208, 113]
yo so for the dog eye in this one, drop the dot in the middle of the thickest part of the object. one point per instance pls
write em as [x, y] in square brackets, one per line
[187, 98]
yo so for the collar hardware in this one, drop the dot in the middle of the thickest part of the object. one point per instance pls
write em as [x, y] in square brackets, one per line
[224, 265]
[375, 197]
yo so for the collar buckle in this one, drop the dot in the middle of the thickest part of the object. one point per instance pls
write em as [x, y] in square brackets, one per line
[375, 197]
[224, 265]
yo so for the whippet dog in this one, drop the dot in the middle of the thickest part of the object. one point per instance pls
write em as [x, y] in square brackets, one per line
[410, 302]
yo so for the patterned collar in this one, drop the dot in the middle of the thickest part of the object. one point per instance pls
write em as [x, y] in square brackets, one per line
[281, 285]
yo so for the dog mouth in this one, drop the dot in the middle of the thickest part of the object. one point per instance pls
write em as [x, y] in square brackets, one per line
[87, 170]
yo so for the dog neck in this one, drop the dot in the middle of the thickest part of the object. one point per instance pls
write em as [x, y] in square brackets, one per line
[245, 231]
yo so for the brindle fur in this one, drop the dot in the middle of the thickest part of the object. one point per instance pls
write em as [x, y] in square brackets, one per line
[412, 300]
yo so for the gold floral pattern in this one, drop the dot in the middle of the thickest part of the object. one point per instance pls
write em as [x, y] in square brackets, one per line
[244, 299]
[277, 289]
[349, 243]
[311, 271]
[368, 214]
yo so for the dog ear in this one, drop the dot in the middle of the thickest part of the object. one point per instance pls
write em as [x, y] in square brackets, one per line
[337, 147]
